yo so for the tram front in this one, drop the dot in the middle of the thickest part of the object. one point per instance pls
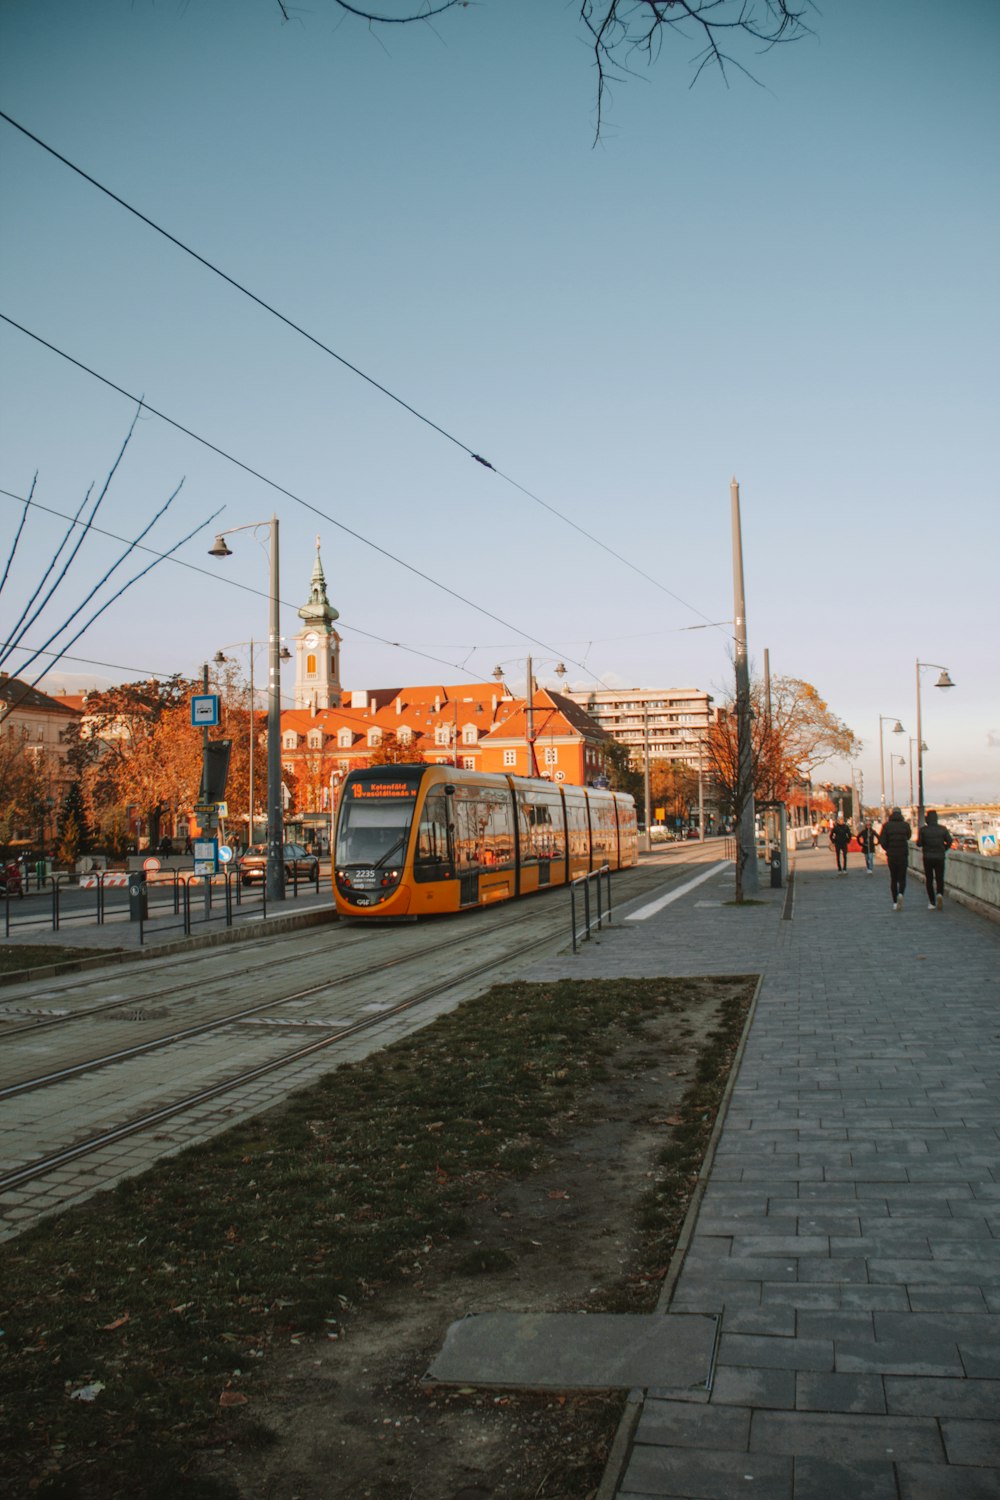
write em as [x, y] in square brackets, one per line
[377, 807]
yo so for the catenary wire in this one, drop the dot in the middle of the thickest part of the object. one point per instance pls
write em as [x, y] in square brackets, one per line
[273, 484]
[319, 344]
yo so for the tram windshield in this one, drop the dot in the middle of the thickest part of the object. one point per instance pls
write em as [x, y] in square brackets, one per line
[369, 833]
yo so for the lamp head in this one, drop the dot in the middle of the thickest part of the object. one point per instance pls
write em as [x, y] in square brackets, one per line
[898, 728]
[284, 654]
[944, 681]
[220, 549]
[498, 673]
[219, 659]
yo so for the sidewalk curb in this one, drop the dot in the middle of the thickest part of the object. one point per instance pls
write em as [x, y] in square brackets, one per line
[614, 1470]
[270, 927]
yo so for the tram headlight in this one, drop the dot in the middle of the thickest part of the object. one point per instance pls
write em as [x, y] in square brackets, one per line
[391, 877]
[343, 878]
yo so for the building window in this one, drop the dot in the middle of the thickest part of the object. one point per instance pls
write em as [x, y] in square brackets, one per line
[291, 741]
[470, 735]
[510, 757]
[315, 740]
[469, 762]
[442, 735]
[374, 738]
[345, 739]
[551, 756]
[310, 666]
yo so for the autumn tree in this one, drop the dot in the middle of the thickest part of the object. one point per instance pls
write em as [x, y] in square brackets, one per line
[392, 751]
[24, 779]
[791, 734]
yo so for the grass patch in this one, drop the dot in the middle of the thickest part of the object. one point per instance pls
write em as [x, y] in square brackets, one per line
[135, 1323]
[16, 958]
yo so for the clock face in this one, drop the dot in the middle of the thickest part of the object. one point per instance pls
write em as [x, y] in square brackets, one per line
[311, 639]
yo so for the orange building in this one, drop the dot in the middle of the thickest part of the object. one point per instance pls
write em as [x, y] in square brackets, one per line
[478, 725]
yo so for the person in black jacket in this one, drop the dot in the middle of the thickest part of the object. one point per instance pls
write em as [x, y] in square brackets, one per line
[840, 837]
[868, 842]
[894, 837]
[934, 839]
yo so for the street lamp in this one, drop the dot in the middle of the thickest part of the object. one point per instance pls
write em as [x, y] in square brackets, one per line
[529, 705]
[944, 681]
[923, 746]
[220, 660]
[898, 729]
[275, 877]
[893, 760]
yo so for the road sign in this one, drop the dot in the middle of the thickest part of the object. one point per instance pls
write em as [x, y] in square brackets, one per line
[151, 864]
[225, 854]
[206, 856]
[204, 709]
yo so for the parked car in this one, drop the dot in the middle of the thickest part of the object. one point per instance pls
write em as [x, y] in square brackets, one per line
[299, 864]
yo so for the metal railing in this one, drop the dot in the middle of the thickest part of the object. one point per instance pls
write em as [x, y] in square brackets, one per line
[181, 902]
[589, 922]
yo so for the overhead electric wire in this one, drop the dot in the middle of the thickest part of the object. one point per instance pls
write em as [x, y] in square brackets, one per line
[319, 344]
[273, 484]
[232, 583]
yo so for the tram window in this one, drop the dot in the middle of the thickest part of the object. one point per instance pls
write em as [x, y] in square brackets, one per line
[542, 833]
[579, 833]
[432, 860]
[484, 828]
[604, 833]
[371, 831]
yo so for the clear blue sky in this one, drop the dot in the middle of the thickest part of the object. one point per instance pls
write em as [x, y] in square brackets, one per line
[791, 280]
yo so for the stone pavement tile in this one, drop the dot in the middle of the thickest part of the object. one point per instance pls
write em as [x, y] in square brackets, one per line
[777, 1320]
[839, 1393]
[832, 1205]
[820, 1479]
[874, 1298]
[937, 1397]
[748, 1242]
[756, 1268]
[831, 1434]
[956, 1299]
[742, 1385]
[972, 1441]
[977, 1327]
[893, 1239]
[946, 1482]
[708, 1293]
[689, 1474]
[842, 1270]
[927, 1356]
[775, 1353]
[980, 1361]
[821, 1323]
[935, 1272]
[678, 1424]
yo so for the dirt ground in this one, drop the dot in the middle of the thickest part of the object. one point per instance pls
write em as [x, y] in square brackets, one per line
[356, 1418]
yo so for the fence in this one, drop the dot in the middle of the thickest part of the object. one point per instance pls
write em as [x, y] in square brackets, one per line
[585, 882]
[181, 887]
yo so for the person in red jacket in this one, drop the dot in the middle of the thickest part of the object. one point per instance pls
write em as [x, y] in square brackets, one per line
[934, 839]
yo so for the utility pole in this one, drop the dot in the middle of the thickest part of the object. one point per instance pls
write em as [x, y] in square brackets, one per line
[645, 776]
[529, 719]
[746, 833]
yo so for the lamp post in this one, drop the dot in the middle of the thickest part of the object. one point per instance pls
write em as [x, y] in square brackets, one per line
[898, 729]
[944, 681]
[529, 706]
[220, 660]
[893, 759]
[912, 742]
[275, 877]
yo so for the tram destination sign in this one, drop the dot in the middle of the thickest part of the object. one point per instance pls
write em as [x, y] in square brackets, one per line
[377, 791]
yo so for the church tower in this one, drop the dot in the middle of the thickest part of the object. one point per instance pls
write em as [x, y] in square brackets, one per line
[317, 648]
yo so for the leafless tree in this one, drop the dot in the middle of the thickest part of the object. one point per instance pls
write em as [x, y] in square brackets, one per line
[622, 32]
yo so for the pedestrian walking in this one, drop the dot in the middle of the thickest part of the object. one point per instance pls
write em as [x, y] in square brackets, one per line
[934, 839]
[868, 840]
[894, 838]
[815, 835]
[840, 837]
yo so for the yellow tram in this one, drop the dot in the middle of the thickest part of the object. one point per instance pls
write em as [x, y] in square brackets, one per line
[414, 840]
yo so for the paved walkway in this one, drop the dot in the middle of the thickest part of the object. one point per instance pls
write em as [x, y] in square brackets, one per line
[849, 1232]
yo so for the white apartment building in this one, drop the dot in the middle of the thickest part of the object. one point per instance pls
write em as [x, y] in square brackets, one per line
[675, 720]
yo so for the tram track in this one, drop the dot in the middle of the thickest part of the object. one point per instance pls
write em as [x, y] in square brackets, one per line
[494, 929]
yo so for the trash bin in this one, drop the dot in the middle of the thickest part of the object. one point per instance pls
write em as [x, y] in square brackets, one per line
[775, 867]
[41, 872]
[138, 897]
